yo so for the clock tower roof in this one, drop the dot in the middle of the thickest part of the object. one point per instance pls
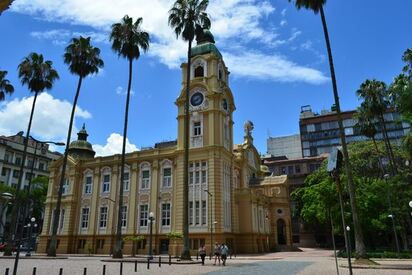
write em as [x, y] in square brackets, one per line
[205, 44]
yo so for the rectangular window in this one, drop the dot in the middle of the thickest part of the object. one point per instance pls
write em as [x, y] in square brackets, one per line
[197, 129]
[6, 157]
[166, 214]
[126, 181]
[144, 208]
[41, 166]
[198, 173]
[145, 179]
[100, 243]
[88, 185]
[106, 184]
[28, 176]
[297, 169]
[123, 211]
[167, 177]
[30, 163]
[103, 217]
[16, 174]
[197, 212]
[81, 244]
[85, 218]
[66, 186]
[61, 223]
[18, 160]
[290, 170]
[204, 220]
[191, 213]
[4, 171]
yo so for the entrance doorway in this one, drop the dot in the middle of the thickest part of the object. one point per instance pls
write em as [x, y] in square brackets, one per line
[164, 246]
[281, 229]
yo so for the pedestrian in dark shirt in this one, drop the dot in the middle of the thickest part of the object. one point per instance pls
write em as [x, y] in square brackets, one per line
[202, 253]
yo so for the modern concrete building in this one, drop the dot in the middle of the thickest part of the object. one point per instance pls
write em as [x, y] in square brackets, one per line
[11, 155]
[289, 146]
[320, 132]
[232, 197]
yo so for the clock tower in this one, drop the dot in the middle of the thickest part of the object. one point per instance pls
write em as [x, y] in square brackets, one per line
[211, 101]
[211, 108]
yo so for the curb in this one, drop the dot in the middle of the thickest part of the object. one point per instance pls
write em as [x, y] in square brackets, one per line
[396, 267]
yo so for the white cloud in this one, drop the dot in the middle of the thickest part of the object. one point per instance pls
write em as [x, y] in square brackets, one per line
[62, 37]
[50, 120]
[275, 67]
[114, 146]
[283, 23]
[121, 91]
[233, 22]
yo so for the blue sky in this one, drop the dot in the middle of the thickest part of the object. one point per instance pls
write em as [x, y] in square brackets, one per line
[275, 53]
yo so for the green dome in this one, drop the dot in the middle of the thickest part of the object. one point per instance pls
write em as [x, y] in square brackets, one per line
[81, 147]
[205, 44]
[80, 144]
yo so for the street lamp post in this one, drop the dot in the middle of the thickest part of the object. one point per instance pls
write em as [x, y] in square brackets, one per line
[30, 225]
[151, 220]
[349, 244]
[392, 216]
[211, 221]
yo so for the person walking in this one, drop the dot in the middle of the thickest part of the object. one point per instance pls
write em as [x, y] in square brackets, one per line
[217, 253]
[202, 253]
[224, 250]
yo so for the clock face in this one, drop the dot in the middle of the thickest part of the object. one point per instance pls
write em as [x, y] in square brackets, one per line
[196, 99]
[225, 104]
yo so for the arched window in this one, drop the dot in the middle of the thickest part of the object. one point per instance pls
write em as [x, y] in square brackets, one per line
[166, 174]
[198, 68]
[145, 176]
[199, 71]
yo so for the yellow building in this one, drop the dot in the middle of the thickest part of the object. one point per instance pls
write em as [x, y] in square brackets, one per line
[232, 199]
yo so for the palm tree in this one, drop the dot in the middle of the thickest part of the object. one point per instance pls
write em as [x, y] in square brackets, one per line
[128, 39]
[38, 75]
[188, 18]
[317, 6]
[374, 94]
[4, 5]
[367, 128]
[83, 60]
[5, 86]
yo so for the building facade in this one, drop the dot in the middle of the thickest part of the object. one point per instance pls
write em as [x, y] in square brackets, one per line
[11, 155]
[320, 132]
[289, 146]
[232, 197]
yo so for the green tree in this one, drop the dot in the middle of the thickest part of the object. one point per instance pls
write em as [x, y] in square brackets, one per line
[128, 39]
[5, 86]
[373, 193]
[188, 18]
[401, 88]
[83, 59]
[375, 103]
[317, 6]
[38, 75]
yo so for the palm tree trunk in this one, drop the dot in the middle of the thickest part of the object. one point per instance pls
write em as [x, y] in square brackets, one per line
[51, 252]
[186, 250]
[379, 157]
[118, 253]
[359, 243]
[15, 214]
[388, 145]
